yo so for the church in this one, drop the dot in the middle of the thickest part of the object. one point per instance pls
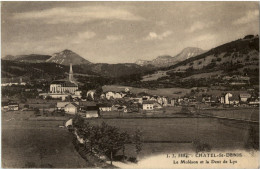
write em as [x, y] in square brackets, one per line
[64, 86]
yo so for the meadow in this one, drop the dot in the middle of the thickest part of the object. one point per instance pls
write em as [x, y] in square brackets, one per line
[38, 144]
[170, 92]
[178, 134]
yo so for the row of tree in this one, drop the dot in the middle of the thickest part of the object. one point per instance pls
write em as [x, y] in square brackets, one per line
[105, 139]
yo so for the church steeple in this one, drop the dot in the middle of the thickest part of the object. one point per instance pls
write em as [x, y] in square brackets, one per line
[71, 74]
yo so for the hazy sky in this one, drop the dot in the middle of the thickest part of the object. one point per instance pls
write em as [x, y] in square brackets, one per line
[116, 32]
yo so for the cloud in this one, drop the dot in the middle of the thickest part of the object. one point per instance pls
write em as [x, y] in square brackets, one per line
[204, 37]
[78, 15]
[86, 35]
[249, 17]
[114, 37]
[198, 26]
[153, 35]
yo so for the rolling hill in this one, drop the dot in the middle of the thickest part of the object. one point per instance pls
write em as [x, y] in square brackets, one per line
[239, 57]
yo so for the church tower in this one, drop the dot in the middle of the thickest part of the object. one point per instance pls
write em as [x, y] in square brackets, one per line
[71, 74]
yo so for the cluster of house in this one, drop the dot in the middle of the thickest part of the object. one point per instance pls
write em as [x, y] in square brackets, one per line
[13, 81]
[84, 108]
[10, 106]
[128, 102]
[229, 98]
[242, 98]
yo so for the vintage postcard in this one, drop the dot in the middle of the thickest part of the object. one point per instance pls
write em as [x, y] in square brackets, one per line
[129, 84]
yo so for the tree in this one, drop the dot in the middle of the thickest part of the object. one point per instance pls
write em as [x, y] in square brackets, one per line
[89, 98]
[137, 141]
[77, 121]
[69, 98]
[125, 138]
[111, 141]
[98, 93]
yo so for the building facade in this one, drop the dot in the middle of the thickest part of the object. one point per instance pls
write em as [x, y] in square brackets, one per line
[64, 86]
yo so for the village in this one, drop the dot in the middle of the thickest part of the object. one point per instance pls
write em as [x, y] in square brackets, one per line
[65, 97]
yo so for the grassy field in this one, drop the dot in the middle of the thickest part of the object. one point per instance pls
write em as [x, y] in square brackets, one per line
[154, 76]
[170, 92]
[38, 144]
[235, 113]
[177, 134]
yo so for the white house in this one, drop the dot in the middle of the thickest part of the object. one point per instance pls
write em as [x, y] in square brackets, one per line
[62, 105]
[13, 106]
[254, 101]
[227, 96]
[173, 102]
[77, 94]
[105, 108]
[109, 95]
[244, 97]
[71, 108]
[91, 114]
[148, 105]
[115, 95]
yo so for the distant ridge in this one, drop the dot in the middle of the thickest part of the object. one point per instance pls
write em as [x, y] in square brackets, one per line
[167, 60]
[32, 58]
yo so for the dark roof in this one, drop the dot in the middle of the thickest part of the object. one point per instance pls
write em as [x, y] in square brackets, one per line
[105, 105]
[234, 97]
[4, 103]
[64, 83]
[74, 104]
[87, 103]
[91, 108]
[148, 102]
[13, 103]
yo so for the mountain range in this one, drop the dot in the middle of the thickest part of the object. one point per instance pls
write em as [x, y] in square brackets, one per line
[64, 57]
[239, 54]
[239, 57]
[166, 60]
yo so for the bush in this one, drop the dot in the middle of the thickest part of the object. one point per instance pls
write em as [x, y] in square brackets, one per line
[132, 159]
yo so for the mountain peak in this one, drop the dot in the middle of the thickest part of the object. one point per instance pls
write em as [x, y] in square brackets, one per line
[188, 52]
[66, 57]
[67, 51]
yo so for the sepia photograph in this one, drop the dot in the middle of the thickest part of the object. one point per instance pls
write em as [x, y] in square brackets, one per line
[130, 84]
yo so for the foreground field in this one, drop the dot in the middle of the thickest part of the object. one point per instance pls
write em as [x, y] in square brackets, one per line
[31, 143]
[178, 134]
[37, 144]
